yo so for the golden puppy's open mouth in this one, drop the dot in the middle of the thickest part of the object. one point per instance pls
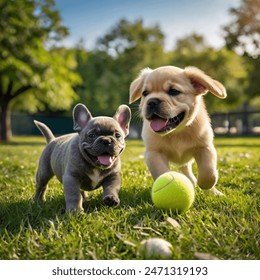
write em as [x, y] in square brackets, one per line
[159, 124]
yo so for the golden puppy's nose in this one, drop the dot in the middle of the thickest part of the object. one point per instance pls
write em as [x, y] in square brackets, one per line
[153, 103]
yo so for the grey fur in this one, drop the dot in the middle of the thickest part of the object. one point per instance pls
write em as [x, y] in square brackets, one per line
[86, 160]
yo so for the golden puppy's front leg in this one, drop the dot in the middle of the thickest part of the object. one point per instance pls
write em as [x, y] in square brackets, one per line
[187, 170]
[157, 163]
[206, 159]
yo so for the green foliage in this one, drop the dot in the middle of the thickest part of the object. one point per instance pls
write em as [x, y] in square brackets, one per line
[27, 64]
[119, 56]
[253, 89]
[35, 75]
[32, 74]
[53, 87]
[132, 40]
[226, 227]
[129, 47]
[242, 33]
[242, 36]
[100, 89]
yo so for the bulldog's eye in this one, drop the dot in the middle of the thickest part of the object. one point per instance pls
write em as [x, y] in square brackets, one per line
[118, 135]
[145, 93]
[173, 92]
[91, 135]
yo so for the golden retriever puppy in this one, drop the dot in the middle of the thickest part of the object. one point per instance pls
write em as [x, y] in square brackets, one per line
[176, 125]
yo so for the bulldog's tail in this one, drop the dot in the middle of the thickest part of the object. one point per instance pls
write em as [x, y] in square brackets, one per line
[46, 132]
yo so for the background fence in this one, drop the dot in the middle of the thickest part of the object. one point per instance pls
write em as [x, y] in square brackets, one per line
[231, 123]
[236, 123]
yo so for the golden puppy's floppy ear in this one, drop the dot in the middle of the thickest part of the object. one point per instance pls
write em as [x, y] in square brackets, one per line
[137, 84]
[203, 83]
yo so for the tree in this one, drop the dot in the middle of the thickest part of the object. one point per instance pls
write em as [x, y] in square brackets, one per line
[243, 36]
[243, 32]
[134, 44]
[119, 55]
[98, 81]
[32, 72]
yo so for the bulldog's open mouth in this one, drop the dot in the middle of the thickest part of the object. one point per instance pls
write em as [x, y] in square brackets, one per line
[159, 124]
[105, 159]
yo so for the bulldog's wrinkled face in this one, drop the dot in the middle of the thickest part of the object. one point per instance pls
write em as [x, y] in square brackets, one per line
[101, 139]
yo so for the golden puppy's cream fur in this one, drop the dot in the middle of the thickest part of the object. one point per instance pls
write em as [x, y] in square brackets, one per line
[176, 124]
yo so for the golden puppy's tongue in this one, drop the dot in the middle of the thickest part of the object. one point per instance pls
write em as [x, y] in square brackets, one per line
[158, 124]
[105, 159]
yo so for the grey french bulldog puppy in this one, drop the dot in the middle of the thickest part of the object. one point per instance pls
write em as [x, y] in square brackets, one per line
[85, 160]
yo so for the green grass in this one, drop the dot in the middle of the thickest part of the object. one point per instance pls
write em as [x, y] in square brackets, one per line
[226, 227]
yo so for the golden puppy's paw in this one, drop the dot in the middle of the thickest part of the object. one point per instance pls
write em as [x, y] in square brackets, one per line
[214, 191]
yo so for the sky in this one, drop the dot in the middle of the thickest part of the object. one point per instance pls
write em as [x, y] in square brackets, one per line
[92, 19]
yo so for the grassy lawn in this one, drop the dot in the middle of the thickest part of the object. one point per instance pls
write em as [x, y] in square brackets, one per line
[227, 227]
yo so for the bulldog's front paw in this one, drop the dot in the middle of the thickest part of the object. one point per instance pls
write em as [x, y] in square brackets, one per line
[111, 200]
[75, 210]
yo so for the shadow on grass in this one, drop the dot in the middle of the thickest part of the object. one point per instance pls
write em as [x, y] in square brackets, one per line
[139, 206]
[13, 215]
[129, 198]
[28, 213]
[18, 215]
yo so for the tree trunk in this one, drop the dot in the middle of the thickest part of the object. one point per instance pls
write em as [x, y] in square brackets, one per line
[5, 119]
[5, 114]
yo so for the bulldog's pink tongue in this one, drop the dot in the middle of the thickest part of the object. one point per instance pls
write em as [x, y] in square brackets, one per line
[105, 159]
[158, 124]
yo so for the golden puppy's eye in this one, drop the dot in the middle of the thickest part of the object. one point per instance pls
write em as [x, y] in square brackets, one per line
[145, 93]
[173, 92]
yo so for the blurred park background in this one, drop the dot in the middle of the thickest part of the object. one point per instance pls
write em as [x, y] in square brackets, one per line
[40, 78]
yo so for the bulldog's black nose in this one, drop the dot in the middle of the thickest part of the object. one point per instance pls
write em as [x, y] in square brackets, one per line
[105, 141]
[153, 103]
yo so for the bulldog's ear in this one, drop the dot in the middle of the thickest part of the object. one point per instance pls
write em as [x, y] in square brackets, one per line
[123, 117]
[203, 83]
[81, 117]
[137, 85]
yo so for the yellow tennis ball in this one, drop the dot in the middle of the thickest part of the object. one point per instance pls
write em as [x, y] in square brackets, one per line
[173, 190]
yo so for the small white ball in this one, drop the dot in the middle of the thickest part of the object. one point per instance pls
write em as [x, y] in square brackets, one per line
[156, 248]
